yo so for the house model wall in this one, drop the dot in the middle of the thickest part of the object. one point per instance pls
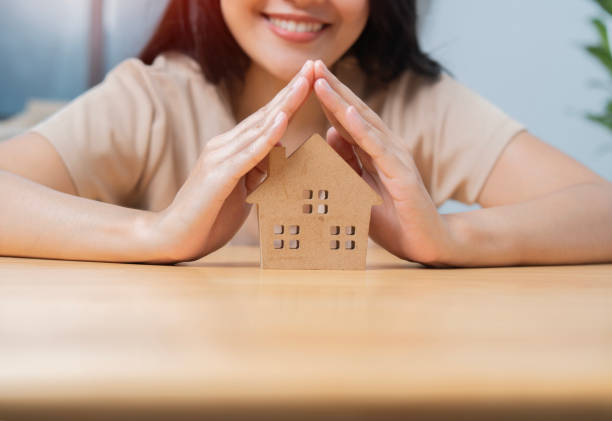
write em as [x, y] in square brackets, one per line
[313, 210]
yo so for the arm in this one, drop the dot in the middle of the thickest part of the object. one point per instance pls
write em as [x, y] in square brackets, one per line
[539, 207]
[34, 178]
[41, 217]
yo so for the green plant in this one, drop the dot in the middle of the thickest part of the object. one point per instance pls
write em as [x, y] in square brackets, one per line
[603, 53]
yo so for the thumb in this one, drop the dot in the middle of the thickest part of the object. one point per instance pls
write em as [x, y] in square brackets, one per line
[256, 176]
[343, 148]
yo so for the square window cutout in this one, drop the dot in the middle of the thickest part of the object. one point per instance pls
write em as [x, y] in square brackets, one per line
[322, 209]
[307, 194]
[279, 229]
[350, 230]
[334, 230]
[350, 245]
[278, 244]
[323, 194]
[294, 229]
[307, 209]
[294, 244]
[334, 244]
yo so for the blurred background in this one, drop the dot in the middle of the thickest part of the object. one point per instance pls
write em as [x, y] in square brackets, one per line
[525, 56]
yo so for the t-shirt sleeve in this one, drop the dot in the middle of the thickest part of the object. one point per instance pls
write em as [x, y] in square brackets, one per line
[104, 135]
[456, 136]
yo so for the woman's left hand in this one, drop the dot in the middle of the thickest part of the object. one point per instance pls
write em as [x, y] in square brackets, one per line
[407, 223]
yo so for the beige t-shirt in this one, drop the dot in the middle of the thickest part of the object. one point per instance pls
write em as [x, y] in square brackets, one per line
[133, 139]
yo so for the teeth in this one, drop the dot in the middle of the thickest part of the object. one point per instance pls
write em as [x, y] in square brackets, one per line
[294, 26]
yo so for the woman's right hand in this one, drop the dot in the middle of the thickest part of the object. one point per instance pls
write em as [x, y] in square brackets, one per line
[210, 206]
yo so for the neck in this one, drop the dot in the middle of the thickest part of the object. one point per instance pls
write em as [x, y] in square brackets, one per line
[259, 88]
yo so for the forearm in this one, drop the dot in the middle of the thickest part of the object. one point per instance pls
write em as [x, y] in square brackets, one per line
[36, 221]
[570, 226]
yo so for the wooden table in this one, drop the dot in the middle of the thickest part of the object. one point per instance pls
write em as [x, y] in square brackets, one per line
[222, 337]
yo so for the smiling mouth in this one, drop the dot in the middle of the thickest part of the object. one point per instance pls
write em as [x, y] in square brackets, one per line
[295, 25]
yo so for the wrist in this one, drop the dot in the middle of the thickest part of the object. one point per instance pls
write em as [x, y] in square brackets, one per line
[479, 238]
[156, 239]
[450, 249]
[445, 245]
[469, 243]
[460, 240]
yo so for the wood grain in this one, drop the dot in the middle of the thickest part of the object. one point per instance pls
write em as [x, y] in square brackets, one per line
[222, 333]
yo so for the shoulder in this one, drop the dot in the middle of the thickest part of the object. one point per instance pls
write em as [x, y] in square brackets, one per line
[169, 70]
[432, 103]
[171, 63]
[412, 89]
[439, 94]
[173, 87]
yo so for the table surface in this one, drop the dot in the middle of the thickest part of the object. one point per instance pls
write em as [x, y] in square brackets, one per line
[220, 333]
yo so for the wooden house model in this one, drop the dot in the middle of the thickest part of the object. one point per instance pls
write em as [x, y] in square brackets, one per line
[313, 209]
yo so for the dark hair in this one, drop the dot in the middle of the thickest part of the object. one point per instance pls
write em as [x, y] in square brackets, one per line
[387, 46]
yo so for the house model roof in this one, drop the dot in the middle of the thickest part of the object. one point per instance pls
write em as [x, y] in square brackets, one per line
[314, 163]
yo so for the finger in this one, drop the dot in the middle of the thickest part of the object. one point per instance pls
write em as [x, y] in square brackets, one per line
[369, 139]
[306, 72]
[253, 127]
[365, 160]
[333, 106]
[261, 121]
[343, 148]
[252, 154]
[257, 174]
[231, 146]
[286, 102]
[361, 131]
[294, 99]
[263, 164]
[254, 178]
[322, 72]
[288, 99]
[336, 124]
[389, 165]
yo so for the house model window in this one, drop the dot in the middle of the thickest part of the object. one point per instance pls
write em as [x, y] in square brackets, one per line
[313, 209]
[310, 203]
[286, 237]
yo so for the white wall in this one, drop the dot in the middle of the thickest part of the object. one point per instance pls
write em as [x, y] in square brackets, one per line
[526, 57]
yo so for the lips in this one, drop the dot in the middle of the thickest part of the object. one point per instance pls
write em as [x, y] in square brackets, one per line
[295, 28]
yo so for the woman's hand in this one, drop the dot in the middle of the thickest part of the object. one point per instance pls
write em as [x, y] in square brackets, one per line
[407, 223]
[210, 207]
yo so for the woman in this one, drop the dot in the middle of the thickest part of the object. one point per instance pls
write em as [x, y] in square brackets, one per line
[159, 146]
